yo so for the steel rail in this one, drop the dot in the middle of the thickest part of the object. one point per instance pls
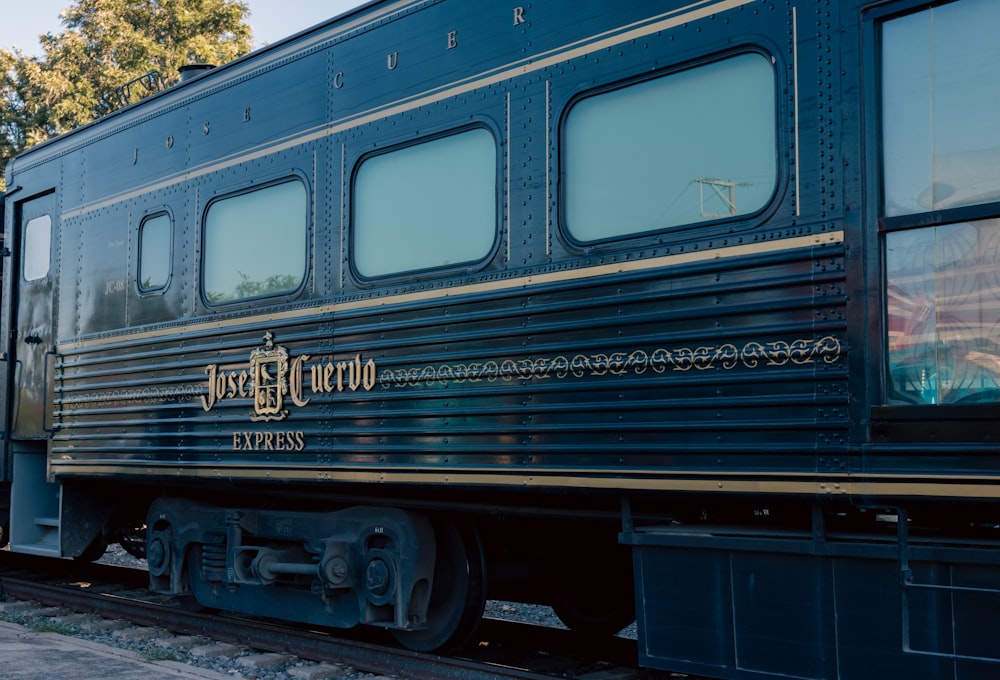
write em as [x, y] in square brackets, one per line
[264, 636]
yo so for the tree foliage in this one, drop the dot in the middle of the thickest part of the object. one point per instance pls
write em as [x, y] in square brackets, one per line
[106, 44]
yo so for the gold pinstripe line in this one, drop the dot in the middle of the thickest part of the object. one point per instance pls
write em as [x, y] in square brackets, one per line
[795, 90]
[986, 487]
[521, 478]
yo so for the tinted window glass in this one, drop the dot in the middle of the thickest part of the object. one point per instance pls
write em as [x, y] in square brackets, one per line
[689, 147]
[429, 205]
[940, 97]
[37, 247]
[154, 252]
[255, 243]
[944, 313]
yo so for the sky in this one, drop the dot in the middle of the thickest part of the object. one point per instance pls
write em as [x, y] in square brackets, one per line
[271, 20]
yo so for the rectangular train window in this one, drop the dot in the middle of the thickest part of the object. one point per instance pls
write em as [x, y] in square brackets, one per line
[426, 206]
[689, 147]
[255, 243]
[37, 248]
[154, 252]
[941, 167]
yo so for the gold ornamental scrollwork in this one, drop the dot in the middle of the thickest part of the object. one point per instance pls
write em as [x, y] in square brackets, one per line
[754, 354]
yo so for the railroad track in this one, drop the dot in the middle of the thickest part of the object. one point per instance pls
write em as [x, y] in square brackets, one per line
[505, 650]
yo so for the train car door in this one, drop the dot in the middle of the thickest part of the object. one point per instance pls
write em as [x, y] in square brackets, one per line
[31, 291]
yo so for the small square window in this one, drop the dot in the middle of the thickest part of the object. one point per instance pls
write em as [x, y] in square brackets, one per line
[154, 252]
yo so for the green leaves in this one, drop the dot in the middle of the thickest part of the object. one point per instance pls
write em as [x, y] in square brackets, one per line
[107, 43]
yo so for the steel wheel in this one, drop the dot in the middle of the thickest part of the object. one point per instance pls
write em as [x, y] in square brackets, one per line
[458, 596]
[594, 596]
[95, 550]
[596, 616]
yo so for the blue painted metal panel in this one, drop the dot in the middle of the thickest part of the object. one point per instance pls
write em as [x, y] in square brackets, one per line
[721, 368]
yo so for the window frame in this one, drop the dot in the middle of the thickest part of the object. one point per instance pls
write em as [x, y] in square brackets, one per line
[893, 418]
[875, 18]
[438, 271]
[686, 231]
[308, 238]
[149, 217]
[31, 243]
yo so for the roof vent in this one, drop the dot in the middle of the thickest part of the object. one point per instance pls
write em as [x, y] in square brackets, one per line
[193, 70]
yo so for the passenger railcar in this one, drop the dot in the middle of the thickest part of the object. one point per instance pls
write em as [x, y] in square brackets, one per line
[685, 309]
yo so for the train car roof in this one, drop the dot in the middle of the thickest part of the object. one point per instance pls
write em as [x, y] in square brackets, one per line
[271, 52]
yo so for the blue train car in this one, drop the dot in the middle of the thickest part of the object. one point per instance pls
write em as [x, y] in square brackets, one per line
[636, 311]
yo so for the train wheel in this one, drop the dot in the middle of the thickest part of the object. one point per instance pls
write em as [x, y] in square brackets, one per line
[459, 594]
[95, 550]
[595, 615]
[596, 598]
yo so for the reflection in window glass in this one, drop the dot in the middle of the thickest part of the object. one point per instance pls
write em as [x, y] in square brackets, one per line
[940, 97]
[255, 243]
[944, 313]
[37, 247]
[690, 147]
[429, 205]
[154, 252]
